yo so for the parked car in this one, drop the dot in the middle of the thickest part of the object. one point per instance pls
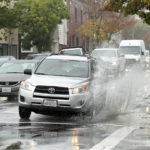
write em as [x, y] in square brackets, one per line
[73, 51]
[59, 84]
[39, 56]
[11, 75]
[6, 58]
[114, 61]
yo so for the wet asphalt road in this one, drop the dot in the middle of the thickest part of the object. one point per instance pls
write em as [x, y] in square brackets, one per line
[125, 131]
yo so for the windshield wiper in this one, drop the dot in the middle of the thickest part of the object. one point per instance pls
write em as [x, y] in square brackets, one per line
[14, 72]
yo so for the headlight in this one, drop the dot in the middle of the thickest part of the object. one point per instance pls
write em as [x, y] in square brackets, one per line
[27, 86]
[114, 63]
[137, 59]
[80, 90]
[147, 59]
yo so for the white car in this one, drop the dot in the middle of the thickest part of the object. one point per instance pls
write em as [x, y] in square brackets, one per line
[134, 51]
[59, 84]
[115, 62]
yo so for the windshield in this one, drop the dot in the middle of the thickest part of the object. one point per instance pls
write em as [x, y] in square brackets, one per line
[4, 58]
[71, 52]
[68, 68]
[16, 67]
[104, 53]
[130, 50]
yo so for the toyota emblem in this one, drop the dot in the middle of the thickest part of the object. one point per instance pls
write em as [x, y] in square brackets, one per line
[51, 90]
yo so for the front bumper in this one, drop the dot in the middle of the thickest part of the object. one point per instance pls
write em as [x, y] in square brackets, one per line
[74, 103]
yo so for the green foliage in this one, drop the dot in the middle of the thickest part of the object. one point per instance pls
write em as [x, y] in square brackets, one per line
[8, 17]
[131, 7]
[38, 20]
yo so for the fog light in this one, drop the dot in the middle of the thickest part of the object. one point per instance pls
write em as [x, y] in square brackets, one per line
[22, 99]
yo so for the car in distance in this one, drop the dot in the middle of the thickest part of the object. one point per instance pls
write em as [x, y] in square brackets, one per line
[6, 58]
[39, 56]
[134, 51]
[11, 75]
[73, 51]
[114, 61]
[60, 84]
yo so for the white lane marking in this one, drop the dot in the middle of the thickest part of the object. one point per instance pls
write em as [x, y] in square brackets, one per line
[114, 139]
[48, 123]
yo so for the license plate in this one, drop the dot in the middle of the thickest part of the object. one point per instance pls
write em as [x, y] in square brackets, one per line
[6, 90]
[50, 103]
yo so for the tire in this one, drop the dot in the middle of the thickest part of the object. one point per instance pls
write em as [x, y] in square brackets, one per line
[24, 113]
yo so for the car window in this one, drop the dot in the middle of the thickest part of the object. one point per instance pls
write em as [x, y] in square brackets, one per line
[18, 67]
[130, 50]
[39, 57]
[104, 53]
[71, 52]
[69, 68]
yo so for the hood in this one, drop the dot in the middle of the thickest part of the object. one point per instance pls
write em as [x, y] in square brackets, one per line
[57, 81]
[14, 77]
[132, 56]
[109, 59]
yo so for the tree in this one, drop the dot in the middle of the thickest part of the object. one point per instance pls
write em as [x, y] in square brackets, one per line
[102, 24]
[140, 31]
[38, 20]
[130, 7]
[8, 16]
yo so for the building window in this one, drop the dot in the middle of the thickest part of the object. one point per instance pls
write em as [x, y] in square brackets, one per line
[81, 17]
[83, 43]
[87, 43]
[73, 40]
[13, 51]
[70, 41]
[3, 49]
[76, 16]
[77, 41]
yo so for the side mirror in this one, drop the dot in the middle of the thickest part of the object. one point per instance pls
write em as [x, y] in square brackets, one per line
[28, 71]
[142, 53]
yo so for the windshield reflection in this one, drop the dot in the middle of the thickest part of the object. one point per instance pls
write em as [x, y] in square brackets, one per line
[66, 68]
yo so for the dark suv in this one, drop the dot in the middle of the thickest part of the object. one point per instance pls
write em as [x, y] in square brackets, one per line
[79, 51]
[39, 56]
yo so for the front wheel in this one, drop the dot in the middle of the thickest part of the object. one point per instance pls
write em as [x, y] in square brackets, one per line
[24, 113]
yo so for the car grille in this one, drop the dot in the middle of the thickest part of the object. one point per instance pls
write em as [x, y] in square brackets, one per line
[52, 92]
[8, 83]
[58, 90]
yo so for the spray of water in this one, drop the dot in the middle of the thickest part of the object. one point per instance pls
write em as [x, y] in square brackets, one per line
[121, 91]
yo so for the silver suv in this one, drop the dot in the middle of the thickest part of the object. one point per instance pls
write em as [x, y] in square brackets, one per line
[59, 84]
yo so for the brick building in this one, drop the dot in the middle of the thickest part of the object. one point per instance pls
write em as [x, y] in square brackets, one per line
[77, 18]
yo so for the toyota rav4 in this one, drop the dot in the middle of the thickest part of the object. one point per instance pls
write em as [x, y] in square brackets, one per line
[59, 84]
